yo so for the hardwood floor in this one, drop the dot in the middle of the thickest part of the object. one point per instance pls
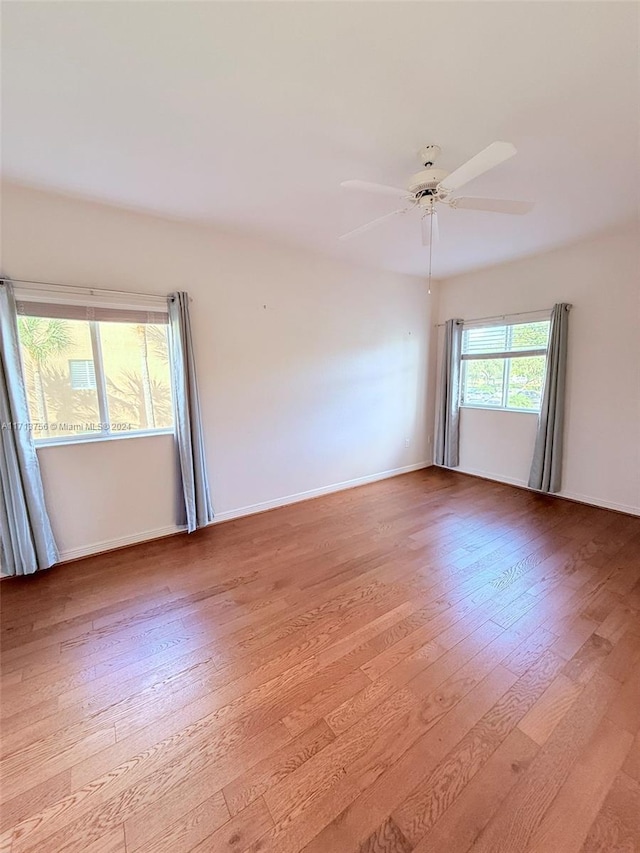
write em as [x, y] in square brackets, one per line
[429, 663]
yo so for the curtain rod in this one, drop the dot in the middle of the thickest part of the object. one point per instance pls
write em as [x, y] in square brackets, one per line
[503, 316]
[85, 288]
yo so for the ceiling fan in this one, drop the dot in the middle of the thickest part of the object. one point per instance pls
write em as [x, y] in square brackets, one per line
[430, 187]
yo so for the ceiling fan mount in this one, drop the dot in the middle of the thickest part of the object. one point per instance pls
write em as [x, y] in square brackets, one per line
[428, 155]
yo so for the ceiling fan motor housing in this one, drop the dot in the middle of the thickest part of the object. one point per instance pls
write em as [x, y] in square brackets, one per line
[425, 183]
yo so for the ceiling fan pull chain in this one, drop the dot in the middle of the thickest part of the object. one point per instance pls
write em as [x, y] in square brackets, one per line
[430, 248]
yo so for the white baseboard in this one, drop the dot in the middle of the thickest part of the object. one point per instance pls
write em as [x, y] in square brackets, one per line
[120, 542]
[252, 509]
[574, 496]
[587, 499]
[487, 475]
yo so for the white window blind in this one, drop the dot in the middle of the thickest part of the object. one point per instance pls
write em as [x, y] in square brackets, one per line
[91, 311]
[505, 341]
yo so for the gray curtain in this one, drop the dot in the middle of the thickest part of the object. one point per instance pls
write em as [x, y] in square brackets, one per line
[26, 538]
[546, 468]
[193, 465]
[448, 422]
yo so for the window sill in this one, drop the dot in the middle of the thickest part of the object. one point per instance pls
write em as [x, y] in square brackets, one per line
[500, 409]
[88, 438]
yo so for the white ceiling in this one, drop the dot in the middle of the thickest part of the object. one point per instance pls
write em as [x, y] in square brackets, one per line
[250, 114]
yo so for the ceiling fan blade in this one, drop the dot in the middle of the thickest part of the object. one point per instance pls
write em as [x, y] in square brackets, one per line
[494, 205]
[361, 228]
[430, 228]
[381, 189]
[491, 156]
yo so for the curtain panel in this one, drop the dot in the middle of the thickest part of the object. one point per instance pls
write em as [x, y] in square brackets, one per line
[447, 444]
[546, 467]
[26, 538]
[189, 434]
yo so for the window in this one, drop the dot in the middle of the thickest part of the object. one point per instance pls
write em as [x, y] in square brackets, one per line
[503, 367]
[94, 371]
[81, 373]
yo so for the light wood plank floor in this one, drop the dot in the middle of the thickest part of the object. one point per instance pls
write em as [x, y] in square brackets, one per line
[429, 663]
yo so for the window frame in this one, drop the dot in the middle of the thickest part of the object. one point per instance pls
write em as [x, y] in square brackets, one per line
[507, 356]
[105, 433]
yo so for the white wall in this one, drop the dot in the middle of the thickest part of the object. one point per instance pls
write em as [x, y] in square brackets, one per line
[312, 373]
[601, 277]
